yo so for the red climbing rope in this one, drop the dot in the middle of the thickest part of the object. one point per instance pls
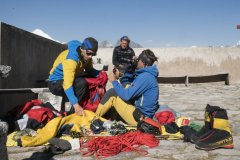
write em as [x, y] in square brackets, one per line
[110, 146]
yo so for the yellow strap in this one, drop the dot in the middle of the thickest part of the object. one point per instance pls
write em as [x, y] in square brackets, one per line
[221, 124]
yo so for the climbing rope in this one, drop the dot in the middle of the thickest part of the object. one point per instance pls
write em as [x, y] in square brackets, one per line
[110, 146]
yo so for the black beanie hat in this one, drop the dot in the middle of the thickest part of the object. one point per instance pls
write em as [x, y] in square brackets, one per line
[145, 59]
[125, 38]
[90, 44]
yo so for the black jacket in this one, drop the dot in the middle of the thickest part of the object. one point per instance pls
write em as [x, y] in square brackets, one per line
[122, 56]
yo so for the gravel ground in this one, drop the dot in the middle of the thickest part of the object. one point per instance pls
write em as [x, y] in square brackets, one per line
[190, 101]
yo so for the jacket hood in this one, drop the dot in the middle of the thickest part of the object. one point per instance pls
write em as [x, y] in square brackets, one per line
[150, 69]
[73, 45]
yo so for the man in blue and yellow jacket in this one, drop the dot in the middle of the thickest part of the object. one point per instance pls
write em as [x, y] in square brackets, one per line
[141, 94]
[64, 77]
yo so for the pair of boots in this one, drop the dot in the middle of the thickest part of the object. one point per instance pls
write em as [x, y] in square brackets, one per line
[216, 132]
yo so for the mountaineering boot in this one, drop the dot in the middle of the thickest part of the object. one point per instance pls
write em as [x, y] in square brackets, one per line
[220, 136]
[206, 129]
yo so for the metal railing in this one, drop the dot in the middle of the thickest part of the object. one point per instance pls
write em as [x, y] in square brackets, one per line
[195, 79]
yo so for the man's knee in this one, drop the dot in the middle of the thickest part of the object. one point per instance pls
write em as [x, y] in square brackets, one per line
[56, 88]
[110, 93]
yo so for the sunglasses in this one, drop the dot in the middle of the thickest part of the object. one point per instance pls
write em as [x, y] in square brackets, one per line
[90, 53]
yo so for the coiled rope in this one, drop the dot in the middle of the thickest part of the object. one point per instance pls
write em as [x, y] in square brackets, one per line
[110, 146]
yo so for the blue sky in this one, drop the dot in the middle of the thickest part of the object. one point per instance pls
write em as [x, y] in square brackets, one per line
[151, 23]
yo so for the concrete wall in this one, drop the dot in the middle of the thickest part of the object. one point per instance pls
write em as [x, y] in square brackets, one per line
[190, 61]
[31, 58]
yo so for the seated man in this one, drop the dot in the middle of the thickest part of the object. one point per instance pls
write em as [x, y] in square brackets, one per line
[142, 93]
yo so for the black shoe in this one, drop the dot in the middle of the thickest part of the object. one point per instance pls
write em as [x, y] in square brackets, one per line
[204, 131]
[215, 139]
[200, 135]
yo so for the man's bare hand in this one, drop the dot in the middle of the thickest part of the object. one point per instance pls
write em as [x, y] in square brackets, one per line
[79, 110]
[112, 76]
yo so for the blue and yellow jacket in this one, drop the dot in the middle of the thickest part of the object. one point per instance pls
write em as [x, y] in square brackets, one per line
[67, 66]
[143, 90]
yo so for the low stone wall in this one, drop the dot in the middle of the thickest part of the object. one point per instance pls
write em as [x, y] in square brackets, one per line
[190, 61]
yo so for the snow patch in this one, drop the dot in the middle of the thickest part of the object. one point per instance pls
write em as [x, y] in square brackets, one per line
[43, 34]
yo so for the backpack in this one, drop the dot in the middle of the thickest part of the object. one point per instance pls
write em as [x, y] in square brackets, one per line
[165, 115]
[96, 90]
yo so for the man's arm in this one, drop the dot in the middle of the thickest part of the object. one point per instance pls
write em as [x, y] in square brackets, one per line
[114, 58]
[137, 88]
[69, 67]
[132, 91]
[132, 53]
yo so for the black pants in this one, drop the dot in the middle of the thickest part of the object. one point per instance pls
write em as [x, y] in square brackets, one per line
[80, 87]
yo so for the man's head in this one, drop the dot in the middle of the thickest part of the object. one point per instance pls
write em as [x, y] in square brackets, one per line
[146, 58]
[89, 47]
[90, 44]
[124, 42]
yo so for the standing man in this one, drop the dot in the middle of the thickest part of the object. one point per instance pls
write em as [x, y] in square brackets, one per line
[64, 77]
[142, 94]
[123, 55]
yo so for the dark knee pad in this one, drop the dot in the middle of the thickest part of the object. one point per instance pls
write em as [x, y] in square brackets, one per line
[110, 93]
[56, 87]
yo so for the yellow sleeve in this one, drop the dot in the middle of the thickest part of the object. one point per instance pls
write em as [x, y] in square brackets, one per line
[69, 68]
